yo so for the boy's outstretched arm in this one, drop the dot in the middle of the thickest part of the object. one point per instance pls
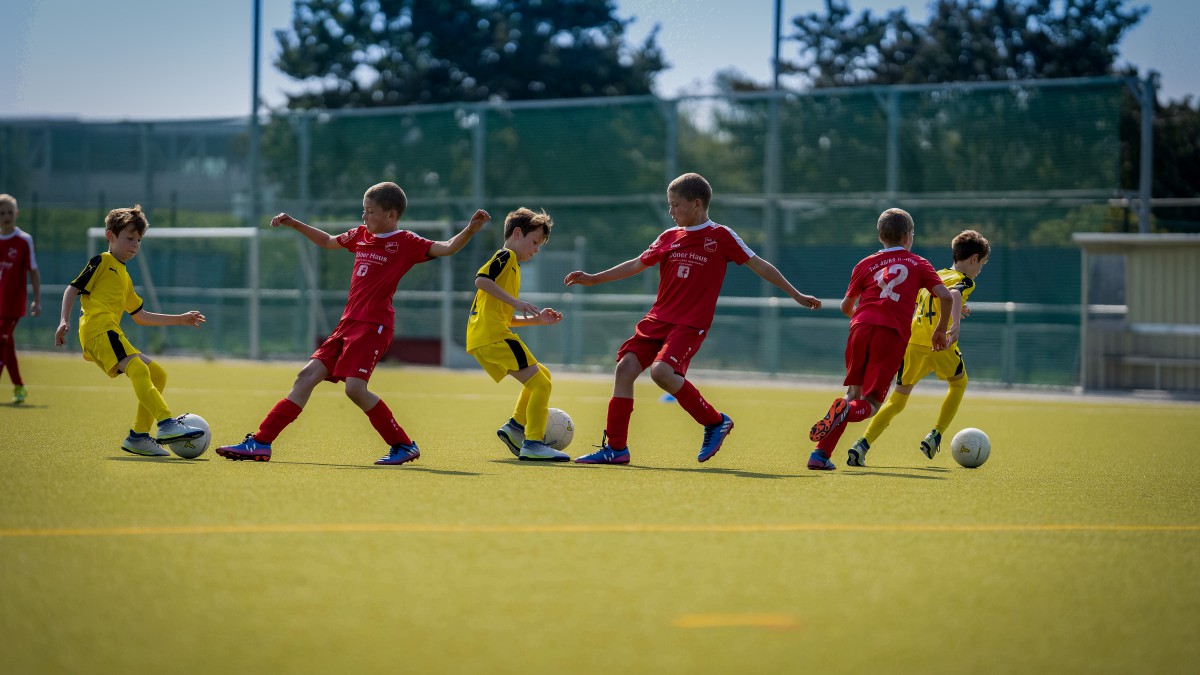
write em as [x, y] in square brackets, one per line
[622, 271]
[318, 237]
[455, 243]
[493, 289]
[144, 318]
[772, 274]
[546, 317]
[940, 339]
[64, 319]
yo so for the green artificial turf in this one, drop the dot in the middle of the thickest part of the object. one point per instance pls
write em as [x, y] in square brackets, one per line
[1076, 548]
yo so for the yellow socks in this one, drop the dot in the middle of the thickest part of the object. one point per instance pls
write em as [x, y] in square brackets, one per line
[536, 396]
[879, 423]
[954, 397]
[148, 383]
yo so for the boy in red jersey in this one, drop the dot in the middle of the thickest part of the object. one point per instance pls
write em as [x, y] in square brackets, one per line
[880, 301]
[17, 261]
[692, 259]
[383, 254]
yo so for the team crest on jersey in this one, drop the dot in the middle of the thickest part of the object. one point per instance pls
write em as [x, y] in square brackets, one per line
[710, 244]
[392, 247]
[12, 252]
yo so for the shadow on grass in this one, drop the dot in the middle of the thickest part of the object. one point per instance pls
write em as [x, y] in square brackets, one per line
[641, 467]
[157, 460]
[374, 467]
[18, 406]
[911, 476]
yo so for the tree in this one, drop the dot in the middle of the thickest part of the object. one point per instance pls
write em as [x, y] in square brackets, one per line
[364, 53]
[962, 41]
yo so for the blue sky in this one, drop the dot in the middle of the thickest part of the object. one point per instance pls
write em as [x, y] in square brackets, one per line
[139, 59]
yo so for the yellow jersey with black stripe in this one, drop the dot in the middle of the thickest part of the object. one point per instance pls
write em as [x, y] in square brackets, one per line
[925, 318]
[106, 294]
[491, 316]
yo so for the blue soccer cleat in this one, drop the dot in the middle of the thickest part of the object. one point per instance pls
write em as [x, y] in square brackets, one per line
[247, 449]
[857, 455]
[714, 436]
[836, 415]
[606, 454]
[400, 454]
[171, 430]
[819, 462]
[512, 435]
[19, 394]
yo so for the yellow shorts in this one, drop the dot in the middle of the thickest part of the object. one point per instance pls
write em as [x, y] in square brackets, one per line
[107, 350]
[504, 357]
[921, 360]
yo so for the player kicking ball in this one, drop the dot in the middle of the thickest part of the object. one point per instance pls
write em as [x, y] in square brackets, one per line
[382, 255]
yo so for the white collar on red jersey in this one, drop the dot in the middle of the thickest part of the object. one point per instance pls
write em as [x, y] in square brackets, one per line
[893, 248]
[701, 226]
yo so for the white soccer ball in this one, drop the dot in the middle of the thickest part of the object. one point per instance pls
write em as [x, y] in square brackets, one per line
[559, 429]
[970, 447]
[191, 448]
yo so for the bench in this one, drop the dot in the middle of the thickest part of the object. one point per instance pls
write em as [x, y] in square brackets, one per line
[1156, 362]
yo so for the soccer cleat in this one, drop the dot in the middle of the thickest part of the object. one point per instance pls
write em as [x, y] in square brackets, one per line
[247, 449]
[931, 444]
[142, 444]
[19, 394]
[714, 436]
[836, 415]
[819, 462]
[513, 435]
[400, 453]
[858, 453]
[171, 430]
[606, 454]
[538, 451]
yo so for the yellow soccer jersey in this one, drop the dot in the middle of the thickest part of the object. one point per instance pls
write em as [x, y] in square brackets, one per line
[925, 319]
[491, 316]
[106, 293]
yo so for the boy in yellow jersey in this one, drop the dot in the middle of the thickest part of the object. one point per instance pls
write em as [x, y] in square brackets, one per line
[107, 293]
[491, 341]
[970, 251]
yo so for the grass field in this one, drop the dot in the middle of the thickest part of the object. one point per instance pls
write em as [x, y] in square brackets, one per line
[1076, 548]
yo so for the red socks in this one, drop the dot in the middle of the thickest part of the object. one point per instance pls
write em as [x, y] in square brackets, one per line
[284, 413]
[858, 411]
[690, 400]
[617, 428]
[383, 421]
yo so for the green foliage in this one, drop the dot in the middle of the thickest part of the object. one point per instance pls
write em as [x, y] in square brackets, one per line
[400, 52]
[962, 41]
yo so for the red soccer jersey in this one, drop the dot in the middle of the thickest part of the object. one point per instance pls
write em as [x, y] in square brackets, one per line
[379, 263]
[692, 269]
[886, 284]
[16, 259]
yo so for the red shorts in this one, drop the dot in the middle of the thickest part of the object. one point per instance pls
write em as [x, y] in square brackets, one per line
[672, 343]
[873, 357]
[353, 349]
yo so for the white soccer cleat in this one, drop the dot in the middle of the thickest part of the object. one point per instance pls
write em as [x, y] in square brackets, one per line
[143, 445]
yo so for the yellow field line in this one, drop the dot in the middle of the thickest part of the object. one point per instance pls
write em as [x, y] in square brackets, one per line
[416, 528]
